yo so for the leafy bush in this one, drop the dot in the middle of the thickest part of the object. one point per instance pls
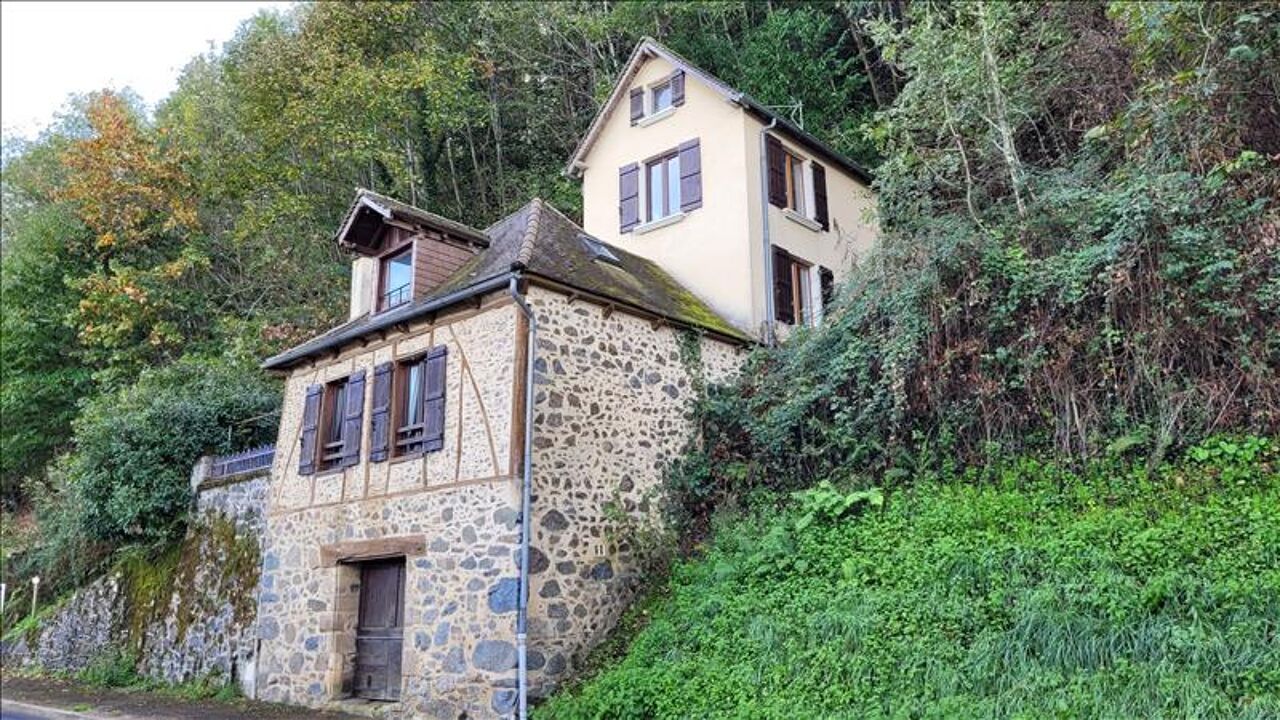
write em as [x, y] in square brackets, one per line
[1119, 592]
[127, 478]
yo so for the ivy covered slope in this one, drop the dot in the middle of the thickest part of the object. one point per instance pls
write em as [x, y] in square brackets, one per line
[1115, 593]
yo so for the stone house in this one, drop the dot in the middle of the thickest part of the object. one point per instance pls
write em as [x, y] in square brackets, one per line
[464, 468]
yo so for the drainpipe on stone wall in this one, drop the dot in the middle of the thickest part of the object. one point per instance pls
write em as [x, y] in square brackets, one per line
[526, 506]
[769, 310]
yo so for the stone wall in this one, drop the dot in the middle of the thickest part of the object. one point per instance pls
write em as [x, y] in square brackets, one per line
[610, 414]
[186, 615]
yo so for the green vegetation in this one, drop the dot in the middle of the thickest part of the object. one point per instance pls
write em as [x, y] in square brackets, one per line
[1077, 256]
[1113, 592]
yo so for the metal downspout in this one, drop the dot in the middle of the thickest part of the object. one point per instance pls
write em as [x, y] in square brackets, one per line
[526, 505]
[769, 310]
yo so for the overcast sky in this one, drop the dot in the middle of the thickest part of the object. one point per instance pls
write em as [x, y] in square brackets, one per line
[49, 50]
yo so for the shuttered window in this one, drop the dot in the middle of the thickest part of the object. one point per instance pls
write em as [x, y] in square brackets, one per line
[380, 420]
[792, 289]
[310, 430]
[628, 197]
[828, 280]
[776, 162]
[690, 155]
[420, 397]
[332, 425]
[820, 213]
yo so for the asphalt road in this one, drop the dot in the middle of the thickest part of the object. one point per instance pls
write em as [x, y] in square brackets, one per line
[10, 710]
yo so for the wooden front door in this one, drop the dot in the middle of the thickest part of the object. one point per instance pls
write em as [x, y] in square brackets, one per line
[380, 633]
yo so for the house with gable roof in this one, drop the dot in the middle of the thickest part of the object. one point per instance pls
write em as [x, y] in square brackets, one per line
[462, 464]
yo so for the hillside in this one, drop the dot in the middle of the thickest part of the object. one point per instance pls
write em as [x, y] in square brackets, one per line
[1044, 594]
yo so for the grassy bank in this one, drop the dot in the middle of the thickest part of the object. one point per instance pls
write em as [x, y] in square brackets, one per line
[1115, 594]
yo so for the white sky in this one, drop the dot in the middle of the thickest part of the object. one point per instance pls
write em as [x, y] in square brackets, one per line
[49, 50]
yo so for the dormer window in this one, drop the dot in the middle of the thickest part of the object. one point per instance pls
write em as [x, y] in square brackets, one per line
[396, 279]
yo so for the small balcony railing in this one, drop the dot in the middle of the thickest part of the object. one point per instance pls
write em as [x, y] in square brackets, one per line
[259, 458]
[394, 297]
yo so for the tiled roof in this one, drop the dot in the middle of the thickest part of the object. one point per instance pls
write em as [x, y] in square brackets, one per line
[538, 240]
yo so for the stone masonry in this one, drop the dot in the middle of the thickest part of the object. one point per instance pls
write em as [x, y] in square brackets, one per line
[611, 393]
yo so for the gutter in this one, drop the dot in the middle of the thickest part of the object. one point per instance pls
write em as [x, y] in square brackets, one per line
[526, 503]
[769, 310]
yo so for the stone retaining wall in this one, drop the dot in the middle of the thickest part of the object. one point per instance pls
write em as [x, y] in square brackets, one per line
[187, 615]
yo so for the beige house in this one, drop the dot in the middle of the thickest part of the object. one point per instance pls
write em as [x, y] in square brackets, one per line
[466, 468]
[750, 212]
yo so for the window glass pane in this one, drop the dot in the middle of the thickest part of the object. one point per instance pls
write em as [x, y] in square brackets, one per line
[795, 180]
[804, 295]
[661, 97]
[655, 191]
[673, 185]
[413, 395]
[397, 274]
[335, 412]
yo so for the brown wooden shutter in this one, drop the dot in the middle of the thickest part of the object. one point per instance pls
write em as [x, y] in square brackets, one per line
[380, 418]
[783, 307]
[775, 160]
[629, 197]
[677, 88]
[353, 419]
[690, 175]
[820, 196]
[637, 104]
[433, 432]
[310, 427]
[828, 280]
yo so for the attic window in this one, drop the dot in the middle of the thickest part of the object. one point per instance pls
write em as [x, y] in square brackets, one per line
[396, 280]
[599, 251]
[660, 97]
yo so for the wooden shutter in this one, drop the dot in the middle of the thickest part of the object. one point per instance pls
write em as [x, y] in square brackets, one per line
[775, 160]
[690, 175]
[310, 427]
[783, 299]
[629, 197]
[433, 432]
[677, 88]
[380, 418]
[828, 280]
[637, 104]
[353, 419]
[820, 196]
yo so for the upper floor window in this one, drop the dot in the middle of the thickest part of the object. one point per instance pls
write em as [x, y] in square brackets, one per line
[396, 279]
[420, 404]
[331, 434]
[797, 185]
[660, 97]
[792, 289]
[650, 103]
[332, 417]
[662, 186]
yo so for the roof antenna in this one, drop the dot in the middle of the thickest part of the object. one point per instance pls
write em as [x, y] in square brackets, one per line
[794, 112]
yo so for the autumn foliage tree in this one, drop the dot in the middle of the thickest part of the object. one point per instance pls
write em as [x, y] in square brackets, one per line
[129, 189]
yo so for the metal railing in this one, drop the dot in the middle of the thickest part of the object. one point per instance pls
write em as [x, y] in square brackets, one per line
[258, 458]
[398, 296]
